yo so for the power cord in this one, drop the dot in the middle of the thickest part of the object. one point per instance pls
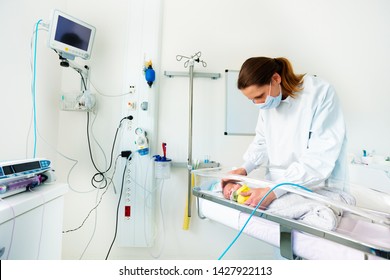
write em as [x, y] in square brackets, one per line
[94, 208]
[96, 216]
[100, 173]
[117, 209]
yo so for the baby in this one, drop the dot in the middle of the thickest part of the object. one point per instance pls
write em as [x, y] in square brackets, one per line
[292, 205]
[232, 191]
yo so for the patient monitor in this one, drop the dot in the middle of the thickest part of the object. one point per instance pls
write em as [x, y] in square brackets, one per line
[70, 37]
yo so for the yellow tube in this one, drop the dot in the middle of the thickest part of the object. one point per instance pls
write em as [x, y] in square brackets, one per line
[187, 219]
[186, 222]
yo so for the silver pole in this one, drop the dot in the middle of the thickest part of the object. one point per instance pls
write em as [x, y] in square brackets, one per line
[190, 63]
[189, 163]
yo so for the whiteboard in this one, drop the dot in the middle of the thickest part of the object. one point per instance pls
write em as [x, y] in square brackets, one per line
[241, 114]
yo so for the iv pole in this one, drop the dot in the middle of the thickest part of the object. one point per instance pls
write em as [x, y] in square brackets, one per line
[190, 63]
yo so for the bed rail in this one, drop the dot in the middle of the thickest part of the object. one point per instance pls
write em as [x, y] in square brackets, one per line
[287, 226]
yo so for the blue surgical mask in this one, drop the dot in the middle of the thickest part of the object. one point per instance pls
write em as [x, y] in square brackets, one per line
[270, 101]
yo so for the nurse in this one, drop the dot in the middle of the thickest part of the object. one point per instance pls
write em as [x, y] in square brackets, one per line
[300, 133]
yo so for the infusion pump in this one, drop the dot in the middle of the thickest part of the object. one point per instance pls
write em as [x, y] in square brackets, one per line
[16, 176]
[12, 169]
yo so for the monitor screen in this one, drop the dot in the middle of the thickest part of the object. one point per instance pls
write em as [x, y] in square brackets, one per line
[71, 37]
[73, 34]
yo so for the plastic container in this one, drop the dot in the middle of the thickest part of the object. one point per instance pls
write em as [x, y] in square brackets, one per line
[162, 167]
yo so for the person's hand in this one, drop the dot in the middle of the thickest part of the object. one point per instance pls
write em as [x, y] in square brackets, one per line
[256, 194]
[238, 171]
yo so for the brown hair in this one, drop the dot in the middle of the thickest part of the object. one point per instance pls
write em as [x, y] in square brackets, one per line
[259, 71]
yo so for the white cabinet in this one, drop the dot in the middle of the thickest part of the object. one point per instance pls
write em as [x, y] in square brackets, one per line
[31, 223]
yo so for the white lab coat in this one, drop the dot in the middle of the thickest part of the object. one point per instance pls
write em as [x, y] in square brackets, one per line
[303, 140]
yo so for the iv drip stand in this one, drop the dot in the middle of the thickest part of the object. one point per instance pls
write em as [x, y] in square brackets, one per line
[190, 63]
[190, 117]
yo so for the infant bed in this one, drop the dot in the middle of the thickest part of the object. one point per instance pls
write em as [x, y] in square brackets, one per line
[360, 233]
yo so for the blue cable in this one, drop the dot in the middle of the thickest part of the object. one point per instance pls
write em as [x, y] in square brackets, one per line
[34, 88]
[254, 210]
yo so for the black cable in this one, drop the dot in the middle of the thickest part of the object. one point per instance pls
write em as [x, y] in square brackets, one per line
[100, 173]
[117, 212]
[95, 207]
[94, 178]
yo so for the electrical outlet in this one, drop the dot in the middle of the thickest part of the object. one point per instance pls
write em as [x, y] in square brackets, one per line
[132, 89]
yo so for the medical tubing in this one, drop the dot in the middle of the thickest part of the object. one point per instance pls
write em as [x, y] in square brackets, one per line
[162, 224]
[107, 95]
[162, 219]
[64, 156]
[254, 210]
[34, 88]
[146, 194]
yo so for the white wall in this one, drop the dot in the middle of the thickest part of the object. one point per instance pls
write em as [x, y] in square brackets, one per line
[18, 19]
[341, 41]
[344, 42]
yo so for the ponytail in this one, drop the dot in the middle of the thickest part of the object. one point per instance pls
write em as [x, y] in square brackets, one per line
[290, 81]
[259, 71]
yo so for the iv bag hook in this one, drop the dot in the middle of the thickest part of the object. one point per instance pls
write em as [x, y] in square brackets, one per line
[191, 60]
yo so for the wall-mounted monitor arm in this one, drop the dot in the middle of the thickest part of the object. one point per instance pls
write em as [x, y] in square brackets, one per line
[82, 70]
